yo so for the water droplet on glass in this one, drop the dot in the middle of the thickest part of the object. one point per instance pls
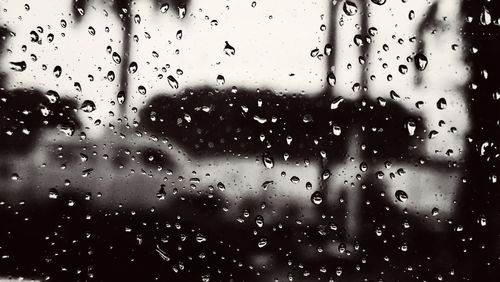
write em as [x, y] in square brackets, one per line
[308, 185]
[485, 17]
[116, 58]
[229, 50]
[91, 30]
[435, 211]
[441, 104]
[259, 221]
[57, 71]
[182, 12]
[421, 61]
[137, 19]
[141, 89]
[336, 102]
[172, 82]
[110, 76]
[178, 35]
[262, 242]
[411, 126]
[317, 198]
[295, 179]
[53, 193]
[221, 186]
[88, 106]
[331, 78]
[120, 97]
[350, 8]
[403, 69]
[132, 67]
[337, 130]
[401, 196]
[18, 66]
[221, 80]
[268, 160]
[314, 52]
[53, 96]
[379, 2]
[164, 8]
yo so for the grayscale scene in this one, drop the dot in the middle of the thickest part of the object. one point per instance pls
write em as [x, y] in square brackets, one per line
[267, 140]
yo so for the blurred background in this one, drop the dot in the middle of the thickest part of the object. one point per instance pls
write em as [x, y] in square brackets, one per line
[249, 141]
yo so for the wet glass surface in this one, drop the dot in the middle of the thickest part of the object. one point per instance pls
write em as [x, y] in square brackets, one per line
[226, 140]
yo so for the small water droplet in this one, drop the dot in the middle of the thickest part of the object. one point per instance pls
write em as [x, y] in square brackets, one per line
[137, 19]
[411, 126]
[485, 17]
[221, 186]
[53, 96]
[295, 179]
[259, 221]
[120, 97]
[403, 69]
[262, 242]
[182, 12]
[178, 35]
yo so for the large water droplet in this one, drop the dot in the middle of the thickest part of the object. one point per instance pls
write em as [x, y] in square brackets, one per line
[441, 104]
[350, 8]
[229, 50]
[132, 67]
[421, 61]
[18, 66]
[172, 82]
[120, 97]
[331, 78]
[221, 186]
[53, 96]
[268, 160]
[116, 58]
[57, 71]
[317, 198]
[88, 106]
[379, 2]
[485, 17]
[401, 196]
[141, 89]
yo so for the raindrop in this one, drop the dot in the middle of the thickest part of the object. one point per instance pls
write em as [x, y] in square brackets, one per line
[295, 179]
[53, 193]
[403, 69]
[268, 160]
[57, 71]
[317, 198]
[262, 242]
[411, 126]
[34, 36]
[182, 12]
[18, 66]
[164, 8]
[441, 104]
[350, 8]
[53, 96]
[78, 86]
[142, 90]
[178, 35]
[172, 82]
[331, 78]
[229, 50]
[221, 186]
[336, 102]
[379, 2]
[314, 52]
[88, 106]
[221, 80]
[137, 19]
[132, 67]
[63, 23]
[421, 61]
[337, 130]
[120, 97]
[485, 17]
[111, 76]
[91, 31]
[116, 58]
[259, 221]
[401, 196]
[435, 211]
